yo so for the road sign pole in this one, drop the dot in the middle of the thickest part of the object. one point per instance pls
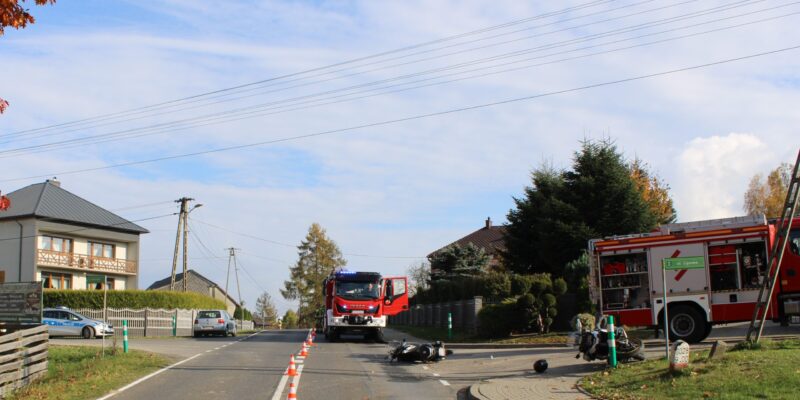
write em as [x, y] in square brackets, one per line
[612, 343]
[125, 335]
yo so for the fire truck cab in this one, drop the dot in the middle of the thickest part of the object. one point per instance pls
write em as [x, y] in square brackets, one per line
[361, 302]
[721, 265]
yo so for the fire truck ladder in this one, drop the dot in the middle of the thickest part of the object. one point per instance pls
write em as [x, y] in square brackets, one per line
[775, 257]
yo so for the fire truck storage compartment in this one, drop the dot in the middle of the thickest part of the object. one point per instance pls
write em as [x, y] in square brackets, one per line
[624, 281]
[737, 266]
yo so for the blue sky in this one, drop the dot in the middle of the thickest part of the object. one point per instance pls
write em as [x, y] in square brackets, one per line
[399, 191]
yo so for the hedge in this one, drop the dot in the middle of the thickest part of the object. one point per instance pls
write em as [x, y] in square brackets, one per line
[134, 299]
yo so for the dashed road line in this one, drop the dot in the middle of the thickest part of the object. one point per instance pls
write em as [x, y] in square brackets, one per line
[444, 382]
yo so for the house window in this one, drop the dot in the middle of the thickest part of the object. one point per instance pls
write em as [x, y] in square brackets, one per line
[102, 250]
[57, 244]
[52, 280]
[99, 285]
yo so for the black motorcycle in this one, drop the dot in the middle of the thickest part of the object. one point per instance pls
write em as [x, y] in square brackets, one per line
[413, 352]
[593, 345]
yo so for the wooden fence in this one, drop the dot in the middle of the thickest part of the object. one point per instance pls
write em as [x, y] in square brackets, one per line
[152, 322]
[23, 358]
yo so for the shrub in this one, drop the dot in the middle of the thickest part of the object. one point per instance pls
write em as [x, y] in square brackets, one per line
[498, 320]
[587, 321]
[134, 299]
[520, 284]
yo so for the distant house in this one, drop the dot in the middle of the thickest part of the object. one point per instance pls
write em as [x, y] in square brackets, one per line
[489, 238]
[199, 284]
[66, 242]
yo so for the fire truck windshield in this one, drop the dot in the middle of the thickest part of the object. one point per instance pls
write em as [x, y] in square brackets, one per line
[358, 290]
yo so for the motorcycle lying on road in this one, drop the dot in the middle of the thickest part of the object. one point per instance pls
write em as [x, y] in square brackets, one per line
[413, 352]
[593, 345]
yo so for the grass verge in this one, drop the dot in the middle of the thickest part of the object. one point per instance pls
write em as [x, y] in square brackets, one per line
[79, 372]
[771, 370]
[433, 333]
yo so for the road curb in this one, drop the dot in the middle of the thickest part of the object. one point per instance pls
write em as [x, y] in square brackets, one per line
[473, 395]
[507, 346]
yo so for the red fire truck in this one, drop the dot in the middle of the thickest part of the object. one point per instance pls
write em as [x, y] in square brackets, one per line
[721, 265]
[360, 302]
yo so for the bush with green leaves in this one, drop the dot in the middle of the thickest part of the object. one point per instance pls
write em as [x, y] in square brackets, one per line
[498, 320]
[134, 299]
[533, 311]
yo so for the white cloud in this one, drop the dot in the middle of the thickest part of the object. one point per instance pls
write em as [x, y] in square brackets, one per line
[714, 173]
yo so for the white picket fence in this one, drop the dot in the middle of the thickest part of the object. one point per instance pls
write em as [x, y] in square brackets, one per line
[152, 322]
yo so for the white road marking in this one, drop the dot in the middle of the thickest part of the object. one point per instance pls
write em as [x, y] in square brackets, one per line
[146, 377]
[424, 367]
[435, 374]
[281, 385]
[444, 382]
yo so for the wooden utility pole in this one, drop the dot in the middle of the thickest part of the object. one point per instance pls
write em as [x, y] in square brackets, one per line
[183, 225]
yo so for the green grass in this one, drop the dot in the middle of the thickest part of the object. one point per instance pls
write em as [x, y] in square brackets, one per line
[771, 370]
[79, 372]
[434, 333]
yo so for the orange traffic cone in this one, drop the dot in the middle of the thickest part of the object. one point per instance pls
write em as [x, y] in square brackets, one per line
[292, 368]
[304, 352]
[292, 391]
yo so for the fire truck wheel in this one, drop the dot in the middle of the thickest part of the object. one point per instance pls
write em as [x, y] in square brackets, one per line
[686, 323]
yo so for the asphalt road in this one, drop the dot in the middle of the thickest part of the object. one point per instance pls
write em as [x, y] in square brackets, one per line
[252, 367]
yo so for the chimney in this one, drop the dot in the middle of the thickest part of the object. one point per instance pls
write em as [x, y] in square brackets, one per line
[54, 182]
[488, 222]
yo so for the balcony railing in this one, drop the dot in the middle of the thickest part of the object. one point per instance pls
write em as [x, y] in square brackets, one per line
[87, 263]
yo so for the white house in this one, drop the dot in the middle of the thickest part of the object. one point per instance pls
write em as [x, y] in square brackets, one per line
[66, 242]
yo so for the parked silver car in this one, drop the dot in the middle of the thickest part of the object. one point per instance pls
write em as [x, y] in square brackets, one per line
[214, 322]
[62, 321]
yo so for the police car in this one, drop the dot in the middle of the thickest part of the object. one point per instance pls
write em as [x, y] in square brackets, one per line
[62, 321]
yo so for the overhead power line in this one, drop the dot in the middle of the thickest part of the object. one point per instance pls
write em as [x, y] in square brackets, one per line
[247, 235]
[259, 110]
[409, 118]
[346, 62]
[254, 108]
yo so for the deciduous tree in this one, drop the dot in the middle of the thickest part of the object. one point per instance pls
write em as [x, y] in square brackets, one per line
[654, 191]
[766, 197]
[318, 256]
[289, 320]
[265, 308]
[419, 278]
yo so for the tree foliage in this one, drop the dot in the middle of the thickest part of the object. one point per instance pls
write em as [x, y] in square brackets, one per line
[531, 311]
[318, 256]
[766, 197]
[562, 210]
[419, 276]
[654, 191]
[455, 260]
[265, 308]
[242, 313]
[13, 14]
[289, 320]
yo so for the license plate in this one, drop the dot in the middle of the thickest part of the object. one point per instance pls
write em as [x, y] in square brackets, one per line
[207, 327]
[358, 311]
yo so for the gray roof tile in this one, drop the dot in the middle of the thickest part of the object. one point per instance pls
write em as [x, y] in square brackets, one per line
[47, 200]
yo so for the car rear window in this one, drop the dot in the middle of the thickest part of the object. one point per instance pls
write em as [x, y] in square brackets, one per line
[208, 314]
